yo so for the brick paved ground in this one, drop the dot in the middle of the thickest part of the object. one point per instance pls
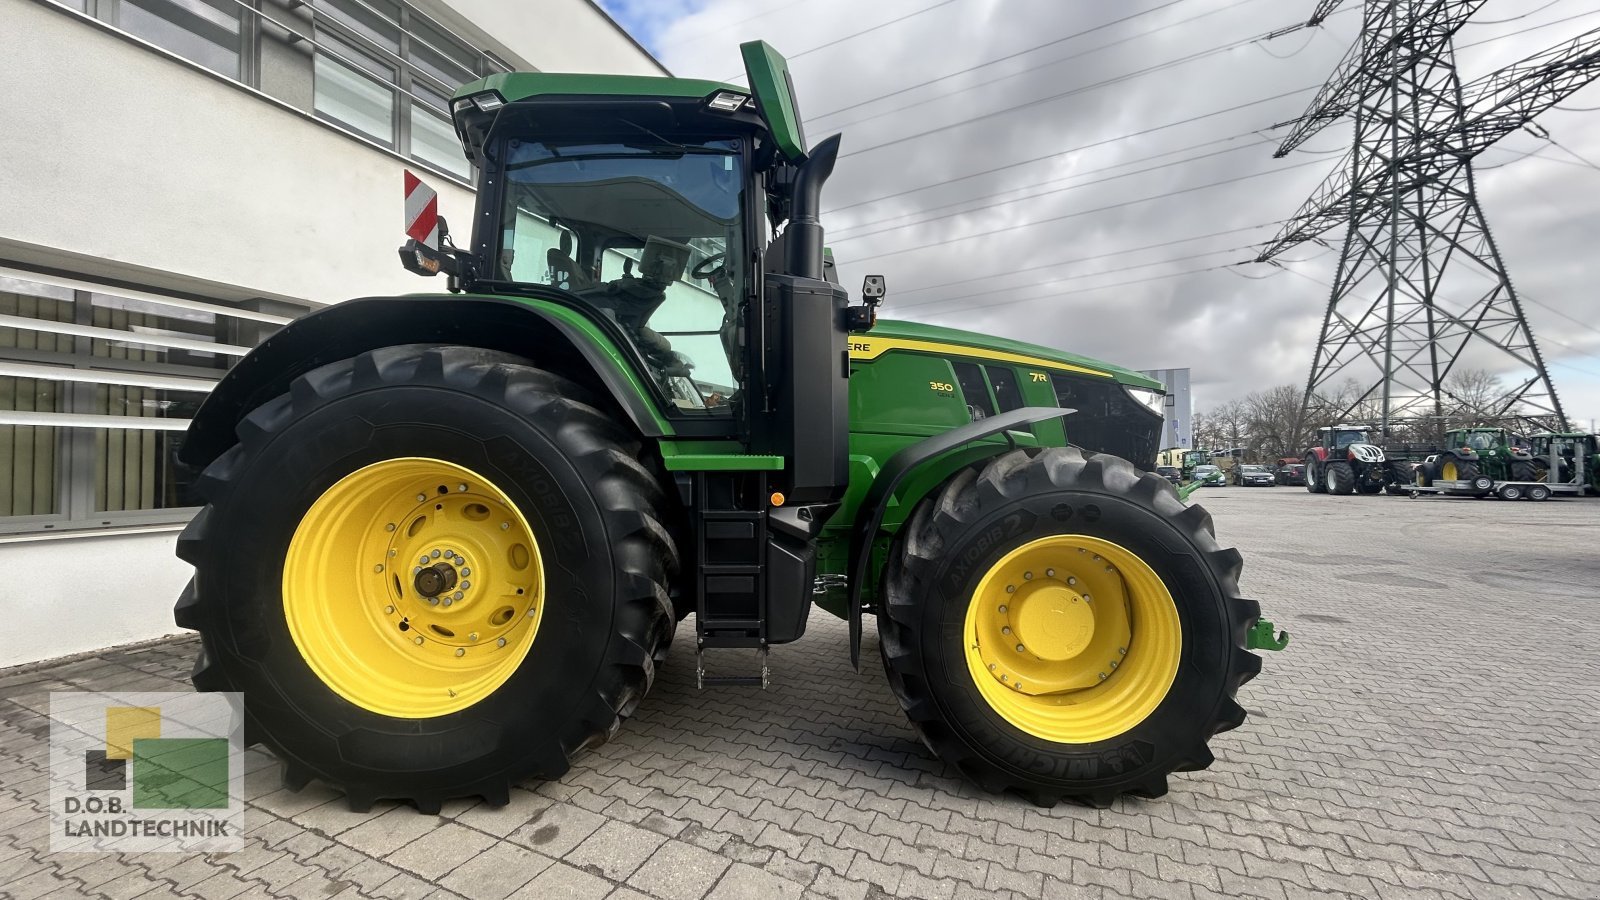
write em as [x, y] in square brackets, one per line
[1432, 732]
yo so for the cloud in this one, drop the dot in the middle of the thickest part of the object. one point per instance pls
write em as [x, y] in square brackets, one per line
[1239, 328]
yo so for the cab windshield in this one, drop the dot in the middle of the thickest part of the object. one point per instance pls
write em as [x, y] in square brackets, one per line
[1344, 439]
[651, 234]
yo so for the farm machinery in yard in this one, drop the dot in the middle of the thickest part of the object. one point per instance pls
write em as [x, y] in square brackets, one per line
[1570, 458]
[448, 539]
[1490, 462]
[1344, 461]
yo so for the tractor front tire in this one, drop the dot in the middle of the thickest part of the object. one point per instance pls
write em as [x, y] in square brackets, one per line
[1313, 476]
[1339, 478]
[432, 571]
[1060, 626]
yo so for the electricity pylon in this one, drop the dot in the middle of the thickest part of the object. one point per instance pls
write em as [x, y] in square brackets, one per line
[1421, 287]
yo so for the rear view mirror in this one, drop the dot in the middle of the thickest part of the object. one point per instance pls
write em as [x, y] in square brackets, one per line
[873, 288]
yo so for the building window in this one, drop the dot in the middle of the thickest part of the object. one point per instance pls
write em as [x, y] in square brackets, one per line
[388, 72]
[378, 68]
[96, 391]
[202, 31]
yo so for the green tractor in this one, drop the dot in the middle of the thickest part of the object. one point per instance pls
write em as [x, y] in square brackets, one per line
[1474, 453]
[1576, 458]
[448, 538]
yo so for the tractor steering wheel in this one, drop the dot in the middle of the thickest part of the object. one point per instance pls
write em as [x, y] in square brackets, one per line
[708, 266]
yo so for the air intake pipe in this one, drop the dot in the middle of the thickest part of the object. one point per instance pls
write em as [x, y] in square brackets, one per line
[804, 237]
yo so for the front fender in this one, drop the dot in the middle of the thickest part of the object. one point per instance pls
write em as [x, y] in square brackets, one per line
[869, 515]
[546, 333]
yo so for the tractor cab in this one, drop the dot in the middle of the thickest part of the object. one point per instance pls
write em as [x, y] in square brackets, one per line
[650, 206]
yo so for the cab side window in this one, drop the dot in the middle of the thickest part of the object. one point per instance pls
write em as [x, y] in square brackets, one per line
[1005, 387]
[974, 389]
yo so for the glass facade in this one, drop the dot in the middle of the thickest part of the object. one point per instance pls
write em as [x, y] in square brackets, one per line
[95, 392]
[376, 68]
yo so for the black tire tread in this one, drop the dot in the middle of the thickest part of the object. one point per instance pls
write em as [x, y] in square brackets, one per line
[631, 500]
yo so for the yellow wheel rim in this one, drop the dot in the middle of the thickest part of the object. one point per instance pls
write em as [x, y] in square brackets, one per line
[1073, 639]
[1447, 472]
[413, 587]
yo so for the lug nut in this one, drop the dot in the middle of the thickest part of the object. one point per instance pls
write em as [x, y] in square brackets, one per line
[434, 554]
[500, 643]
[461, 487]
[418, 639]
[1049, 573]
[433, 601]
[465, 572]
[1027, 576]
[1002, 607]
[378, 567]
[1123, 651]
[449, 554]
[474, 636]
[1011, 589]
[1005, 629]
[1019, 648]
[388, 610]
[1071, 580]
[447, 602]
[423, 559]
[456, 595]
[465, 585]
[461, 651]
[504, 525]
[991, 667]
[389, 527]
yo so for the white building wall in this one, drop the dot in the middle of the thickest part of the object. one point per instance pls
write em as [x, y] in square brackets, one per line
[119, 162]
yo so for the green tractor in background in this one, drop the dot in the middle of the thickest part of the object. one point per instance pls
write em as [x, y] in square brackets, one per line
[1576, 456]
[448, 538]
[1494, 453]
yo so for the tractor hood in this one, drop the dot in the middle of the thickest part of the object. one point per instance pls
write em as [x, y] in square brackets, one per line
[890, 334]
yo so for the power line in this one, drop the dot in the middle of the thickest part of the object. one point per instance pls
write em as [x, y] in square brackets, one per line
[850, 37]
[1062, 262]
[1138, 73]
[1501, 37]
[1079, 149]
[683, 39]
[1530, 12]
[1070, 187]
[1011, 56]
[1085, 212]
[1098, 287]
[965, 298]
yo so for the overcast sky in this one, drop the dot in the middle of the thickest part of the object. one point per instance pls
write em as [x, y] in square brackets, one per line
[1078, 69]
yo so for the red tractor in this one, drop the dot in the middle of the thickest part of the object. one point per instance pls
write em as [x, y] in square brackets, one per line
[1343, 461]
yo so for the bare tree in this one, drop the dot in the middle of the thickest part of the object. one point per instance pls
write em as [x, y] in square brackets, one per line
[1274, 422]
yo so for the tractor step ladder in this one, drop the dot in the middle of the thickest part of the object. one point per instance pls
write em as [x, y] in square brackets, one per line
[730, 524]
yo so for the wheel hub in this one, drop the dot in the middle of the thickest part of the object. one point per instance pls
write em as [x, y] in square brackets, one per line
[435, 579]
[1055, 622]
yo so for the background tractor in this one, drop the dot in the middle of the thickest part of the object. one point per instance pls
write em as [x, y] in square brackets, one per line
[1494, 453]
[1344, 461]
[1576, 455]
[448, 538]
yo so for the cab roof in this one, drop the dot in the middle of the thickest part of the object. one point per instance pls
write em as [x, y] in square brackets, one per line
[514, 86]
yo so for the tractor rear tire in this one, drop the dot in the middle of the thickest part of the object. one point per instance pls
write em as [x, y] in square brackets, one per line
[487, 458]
[1465, 469]
[1081, 524]
[1524, 470]
[1339, 478]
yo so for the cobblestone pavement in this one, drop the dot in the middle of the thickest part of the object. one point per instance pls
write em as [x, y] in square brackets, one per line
[1431, 732]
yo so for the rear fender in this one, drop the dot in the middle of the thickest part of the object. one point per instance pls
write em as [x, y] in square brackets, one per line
[545, 333]
[905, 462]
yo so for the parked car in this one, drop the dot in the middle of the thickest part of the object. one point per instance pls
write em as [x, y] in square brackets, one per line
[1170, 473]
[1210, 475]
[1290, 473]
[1256, 476]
